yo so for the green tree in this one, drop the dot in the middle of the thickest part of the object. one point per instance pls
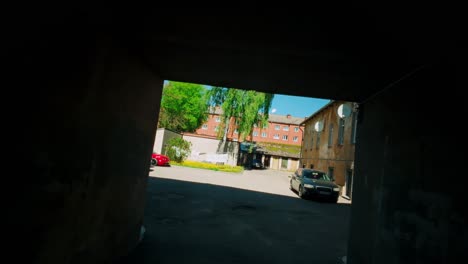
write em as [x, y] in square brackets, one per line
[247, 107]
[183, 106]
[178, 149]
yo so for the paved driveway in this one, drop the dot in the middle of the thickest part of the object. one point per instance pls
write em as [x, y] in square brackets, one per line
[201, 216]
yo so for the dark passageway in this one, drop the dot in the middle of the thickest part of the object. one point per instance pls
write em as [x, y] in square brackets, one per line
[206, 223]
[83, 89]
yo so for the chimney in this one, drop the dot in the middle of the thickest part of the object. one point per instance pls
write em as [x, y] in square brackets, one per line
[288, 116]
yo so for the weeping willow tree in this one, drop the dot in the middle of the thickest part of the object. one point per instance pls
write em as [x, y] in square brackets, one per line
[246, 107]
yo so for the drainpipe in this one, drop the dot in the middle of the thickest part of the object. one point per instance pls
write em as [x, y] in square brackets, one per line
[302, 144]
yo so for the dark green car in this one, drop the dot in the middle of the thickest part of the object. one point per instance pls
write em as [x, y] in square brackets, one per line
[314, 183]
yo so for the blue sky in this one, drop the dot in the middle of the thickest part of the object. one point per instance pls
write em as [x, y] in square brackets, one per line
[297, 106]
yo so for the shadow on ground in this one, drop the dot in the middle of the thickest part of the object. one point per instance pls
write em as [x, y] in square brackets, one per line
[190, 222]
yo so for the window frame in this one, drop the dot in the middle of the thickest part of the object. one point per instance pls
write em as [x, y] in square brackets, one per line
[341, 130]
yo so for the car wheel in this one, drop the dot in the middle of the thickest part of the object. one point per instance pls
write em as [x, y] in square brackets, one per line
[154, 162]
[300, 192]
[290, 186]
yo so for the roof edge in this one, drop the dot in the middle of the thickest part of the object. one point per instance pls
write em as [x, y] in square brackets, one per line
[317, 112]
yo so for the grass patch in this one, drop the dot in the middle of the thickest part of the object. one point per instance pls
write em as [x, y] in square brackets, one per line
[272, 147]
[208, 166]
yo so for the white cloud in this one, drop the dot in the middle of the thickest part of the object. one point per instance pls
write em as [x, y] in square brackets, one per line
[273, 110]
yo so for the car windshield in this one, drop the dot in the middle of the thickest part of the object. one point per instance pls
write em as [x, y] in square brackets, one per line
[316, 175]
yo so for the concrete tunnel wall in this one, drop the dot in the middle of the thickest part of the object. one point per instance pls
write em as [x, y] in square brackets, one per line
[409, 203]
[86, 127]
[83, 125]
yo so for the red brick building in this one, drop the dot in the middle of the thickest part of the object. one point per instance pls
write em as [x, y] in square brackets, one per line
[281, 129]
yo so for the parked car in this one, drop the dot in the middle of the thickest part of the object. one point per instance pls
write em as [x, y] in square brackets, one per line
[314, 183]
[159, 160]
[257, 164]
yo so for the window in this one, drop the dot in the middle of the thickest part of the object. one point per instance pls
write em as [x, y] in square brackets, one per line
[330, 135]
[285, 137]
[255, 125]
[296, 129]
[255, 133]
[331, 170]
[277, 127]
[285, 128]
[341, 131]
[276, 136]
[205, 126]
[216, 128]
[218, 119]
[349, 182]
[264, 134]
[311, 139]
[353, 130]
[265, 126]
[236, 131]
[295, 138]
[317, 142]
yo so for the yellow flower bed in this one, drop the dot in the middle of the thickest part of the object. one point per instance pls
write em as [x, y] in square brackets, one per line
[208, 166]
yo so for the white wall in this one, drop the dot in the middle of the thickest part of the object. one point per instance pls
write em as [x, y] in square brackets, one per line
[162, 137]
[158, 141]
[206, 149]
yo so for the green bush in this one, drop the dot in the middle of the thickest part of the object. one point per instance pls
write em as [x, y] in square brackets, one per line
[178, 149]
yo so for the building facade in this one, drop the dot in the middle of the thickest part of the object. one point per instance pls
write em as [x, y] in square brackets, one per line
[285, 132]
[281, 129]
[279, 161]
[329, 142]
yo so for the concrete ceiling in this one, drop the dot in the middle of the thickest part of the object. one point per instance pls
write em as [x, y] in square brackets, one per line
[347, 54]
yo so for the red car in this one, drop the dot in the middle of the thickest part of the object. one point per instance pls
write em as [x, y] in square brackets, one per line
[159, 160]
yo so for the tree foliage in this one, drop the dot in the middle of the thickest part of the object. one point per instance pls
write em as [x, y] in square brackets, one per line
[178, 149]
[247, 107]
[183, 106]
